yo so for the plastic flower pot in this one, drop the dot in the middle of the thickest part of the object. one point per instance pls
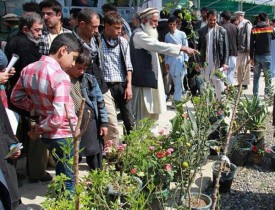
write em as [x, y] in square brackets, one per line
[240, 153]
[256, 158]
[246, 137]
[226, 177]
[198, 201]
[272, 156]
[112, 191]
[259, 134]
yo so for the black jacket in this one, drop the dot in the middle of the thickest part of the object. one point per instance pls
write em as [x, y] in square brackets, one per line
[6, 139]
[28, 53]
[232, 34]
[221, 49]
[260, 40]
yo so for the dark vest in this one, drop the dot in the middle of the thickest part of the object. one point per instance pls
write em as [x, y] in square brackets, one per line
[143, 74]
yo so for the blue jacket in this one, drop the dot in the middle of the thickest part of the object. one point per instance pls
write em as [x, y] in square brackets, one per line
[94, 98]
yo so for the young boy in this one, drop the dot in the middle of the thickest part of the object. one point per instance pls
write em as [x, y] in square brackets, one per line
[43, 89]
[85, 86]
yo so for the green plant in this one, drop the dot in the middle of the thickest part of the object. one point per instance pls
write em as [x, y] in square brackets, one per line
[190, 134]
[252, 113]
[149, 157]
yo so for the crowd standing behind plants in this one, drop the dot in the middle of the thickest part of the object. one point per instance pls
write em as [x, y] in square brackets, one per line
[156, 161]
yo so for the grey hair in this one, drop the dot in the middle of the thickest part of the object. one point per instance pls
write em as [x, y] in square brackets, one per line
[28, 19]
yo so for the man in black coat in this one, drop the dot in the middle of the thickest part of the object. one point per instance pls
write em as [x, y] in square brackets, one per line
[213, 45]
[232, 34]
[25, 45]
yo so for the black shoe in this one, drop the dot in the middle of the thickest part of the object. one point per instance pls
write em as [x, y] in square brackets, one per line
[45, 178]
[24, 207]
[245, 87]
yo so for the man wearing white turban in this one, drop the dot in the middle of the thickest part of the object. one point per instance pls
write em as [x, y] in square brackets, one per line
[148, 91]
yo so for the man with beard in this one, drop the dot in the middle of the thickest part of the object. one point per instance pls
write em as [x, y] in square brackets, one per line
[213, 42]
[148, 91]
[24, 44]
[51, 11]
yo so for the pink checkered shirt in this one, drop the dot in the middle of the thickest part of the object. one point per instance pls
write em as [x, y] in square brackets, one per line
[42, 89]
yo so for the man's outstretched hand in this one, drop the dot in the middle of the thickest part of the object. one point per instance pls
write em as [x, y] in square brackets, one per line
[190, 51]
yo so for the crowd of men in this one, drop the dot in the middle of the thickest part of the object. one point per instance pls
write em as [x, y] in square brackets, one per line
[103, 61]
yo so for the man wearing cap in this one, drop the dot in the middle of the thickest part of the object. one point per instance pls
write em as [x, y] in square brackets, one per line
[243, 68]
[11, 20]
[148, 91]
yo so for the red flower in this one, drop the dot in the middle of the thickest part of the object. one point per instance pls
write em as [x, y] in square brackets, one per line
[160, 155]
[133, 171]
[168, 167]
[254, 148]
[161, 132]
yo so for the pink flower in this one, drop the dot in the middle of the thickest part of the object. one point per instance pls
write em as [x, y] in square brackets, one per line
[219, 112]
[185, 115]
[121, 147]
[268, 150]
[152, 148]
[160, 155]
[169, 151]
[109, 143]
[168, 167]
[161, 132]
[133, 171]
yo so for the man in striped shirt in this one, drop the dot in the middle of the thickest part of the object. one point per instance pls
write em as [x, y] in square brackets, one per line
[43, 89]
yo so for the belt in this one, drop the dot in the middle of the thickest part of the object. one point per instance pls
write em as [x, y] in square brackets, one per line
[113, 83]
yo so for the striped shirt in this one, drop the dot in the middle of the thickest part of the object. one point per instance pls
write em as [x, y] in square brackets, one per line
[47, 39]
[113, 61]
[43, 89]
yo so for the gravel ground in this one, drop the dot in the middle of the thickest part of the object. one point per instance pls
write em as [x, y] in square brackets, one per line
[253, 187]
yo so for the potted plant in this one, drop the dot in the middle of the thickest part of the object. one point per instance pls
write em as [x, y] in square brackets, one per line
[113, 153]
[258, 152]
[272, 156]
[190, 134]
[251, 115]
[240, 152]
[227, 174]
[246, 137]
[123, 184]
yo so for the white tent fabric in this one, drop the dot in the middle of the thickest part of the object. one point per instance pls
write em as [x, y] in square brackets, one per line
[263, 2]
